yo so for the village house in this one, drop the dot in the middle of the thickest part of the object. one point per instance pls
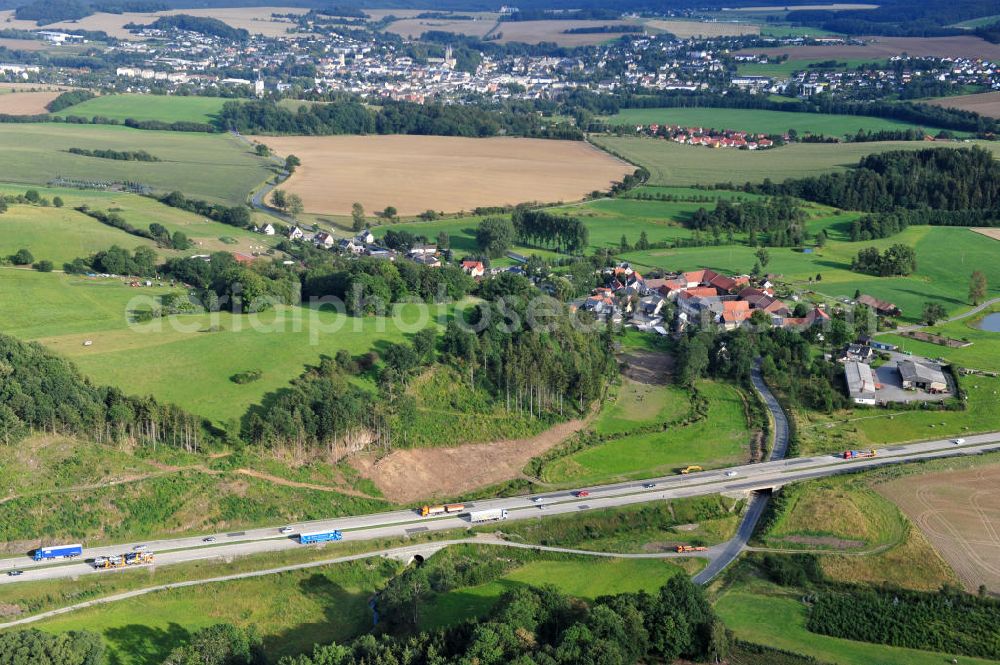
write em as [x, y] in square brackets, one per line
[267, 230]
[324, 240]
[861, 384]
[351, 246]
[474, 268]
[295, 233]
[881, 307]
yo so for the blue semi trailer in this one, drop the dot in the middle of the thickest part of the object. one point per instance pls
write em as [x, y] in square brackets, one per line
[320, 537]
[58, 552]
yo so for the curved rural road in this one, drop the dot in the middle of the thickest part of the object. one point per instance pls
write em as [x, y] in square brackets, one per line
[258, 195]
[727, 552]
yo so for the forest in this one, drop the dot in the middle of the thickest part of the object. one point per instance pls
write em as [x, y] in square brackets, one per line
[780, 218]
[203, 24]
[948, 621]
[895, 260]
[347, 116]
[943, 179]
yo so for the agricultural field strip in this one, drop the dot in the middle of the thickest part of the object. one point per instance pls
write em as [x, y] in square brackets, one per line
[752, 477]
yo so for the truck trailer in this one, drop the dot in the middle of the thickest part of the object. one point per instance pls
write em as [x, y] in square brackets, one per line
[58, 552]
[426, 511]
[320, 537]
[492, 515]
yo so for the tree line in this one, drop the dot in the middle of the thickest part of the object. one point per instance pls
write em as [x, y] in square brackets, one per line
[121, 155]
[545, 229]
[238, 216]
[156, 232]
[348, 116]
[898, 259]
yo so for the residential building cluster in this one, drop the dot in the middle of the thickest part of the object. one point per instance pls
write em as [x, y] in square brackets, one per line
[709, 136]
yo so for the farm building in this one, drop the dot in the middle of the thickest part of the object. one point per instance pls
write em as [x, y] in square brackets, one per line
[860, 382]
[881, 307]
[925, 377]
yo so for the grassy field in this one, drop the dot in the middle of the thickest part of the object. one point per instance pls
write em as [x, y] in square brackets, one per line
[674, 164]
[768, 122]
[292, 610]
[858, 428]
[166, 108]
[776, 617]
[983, 354]
[637, 404]
[717, 440]
[62, 234]
[580, 577]
[193, 367]
[216, 167]
[946, 256]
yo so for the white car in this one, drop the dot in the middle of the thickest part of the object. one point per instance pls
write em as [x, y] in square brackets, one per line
[285, 529]
[730, 474]
[958, 442]
[140, 548]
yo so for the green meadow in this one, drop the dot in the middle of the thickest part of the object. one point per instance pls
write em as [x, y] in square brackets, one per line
[768, 122]
[166, 108]
[673, 164]
[193, 364]
[721, 438]
[946, 257]
[293, 611]
[63, 234]
[215, 167]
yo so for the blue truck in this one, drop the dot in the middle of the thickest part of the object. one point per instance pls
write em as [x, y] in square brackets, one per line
[320, 537]
[58, 552]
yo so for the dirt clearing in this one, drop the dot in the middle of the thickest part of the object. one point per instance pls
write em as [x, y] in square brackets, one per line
[418, 173]
[879, 48]
[405, 476]
[985, 103]
[648, 367]
[959, 512]
[989, 232]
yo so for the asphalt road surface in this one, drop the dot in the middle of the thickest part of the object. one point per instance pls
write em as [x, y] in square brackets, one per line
[745, 478]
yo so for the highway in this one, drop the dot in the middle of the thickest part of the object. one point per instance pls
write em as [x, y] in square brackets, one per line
[737, 479]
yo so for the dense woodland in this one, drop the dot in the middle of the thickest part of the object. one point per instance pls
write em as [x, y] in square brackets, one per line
[203, 24]
[544, 229]
[348, 116]
[779, 220]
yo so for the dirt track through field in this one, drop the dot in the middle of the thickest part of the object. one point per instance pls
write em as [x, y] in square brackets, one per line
[959, 512]
[405, 476]
[989, 232]
[418, 173]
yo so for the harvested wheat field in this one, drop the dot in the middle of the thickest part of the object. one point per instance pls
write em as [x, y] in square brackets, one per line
[959, 512]
[443, 173]
[257, 20]
[686, 29]
[879, 48]
[984, 103]
[989, 232]
[534, 32]
[405, 476]
[412, 27]
[25, 103]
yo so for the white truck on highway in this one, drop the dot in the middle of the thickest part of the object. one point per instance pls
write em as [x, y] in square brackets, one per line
[491, 515]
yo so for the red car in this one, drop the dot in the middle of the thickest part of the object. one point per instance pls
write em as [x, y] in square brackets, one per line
[581, 493]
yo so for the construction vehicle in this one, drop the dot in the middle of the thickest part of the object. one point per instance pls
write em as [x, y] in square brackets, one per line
[320, 537]
[492, 515]
[691, 469]
[859, 454]
[58, 552]
[442, 509]
[123, 560]
[690, 548]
